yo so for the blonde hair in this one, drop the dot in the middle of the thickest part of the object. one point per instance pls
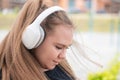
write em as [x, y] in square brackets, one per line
[16, 61]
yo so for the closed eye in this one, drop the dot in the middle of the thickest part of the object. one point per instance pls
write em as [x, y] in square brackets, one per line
[58, 47]
[61, 46]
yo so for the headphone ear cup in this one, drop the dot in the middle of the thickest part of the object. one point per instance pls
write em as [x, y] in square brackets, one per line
[33, 36]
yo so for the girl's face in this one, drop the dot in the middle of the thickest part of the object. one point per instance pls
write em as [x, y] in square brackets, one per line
[53, 49]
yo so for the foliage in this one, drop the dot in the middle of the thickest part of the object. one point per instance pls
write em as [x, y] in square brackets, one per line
[110, 74]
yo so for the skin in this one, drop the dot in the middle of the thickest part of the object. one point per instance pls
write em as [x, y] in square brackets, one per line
[53, 50]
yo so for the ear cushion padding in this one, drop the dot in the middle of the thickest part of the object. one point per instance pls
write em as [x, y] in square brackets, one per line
[33, 36]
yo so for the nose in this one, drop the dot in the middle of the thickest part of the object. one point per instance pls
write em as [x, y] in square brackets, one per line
[62, 55]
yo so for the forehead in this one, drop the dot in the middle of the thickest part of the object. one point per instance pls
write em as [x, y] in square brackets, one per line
[62, 34]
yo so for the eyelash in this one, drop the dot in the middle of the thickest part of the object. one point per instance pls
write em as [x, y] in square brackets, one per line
[58, 47]
[61, 47]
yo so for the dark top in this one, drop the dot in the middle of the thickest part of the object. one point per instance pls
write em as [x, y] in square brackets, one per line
[0, 74]
[56, 74]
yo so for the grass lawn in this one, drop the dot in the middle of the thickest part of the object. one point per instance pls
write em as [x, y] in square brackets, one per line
[82, 22]
[6, 20]
[99, 23]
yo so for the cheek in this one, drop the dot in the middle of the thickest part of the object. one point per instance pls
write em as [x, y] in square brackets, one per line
[46, 57]
[52, 52]
[46, 53]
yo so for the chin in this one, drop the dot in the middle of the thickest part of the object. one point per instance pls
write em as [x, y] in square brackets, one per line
[51, 67]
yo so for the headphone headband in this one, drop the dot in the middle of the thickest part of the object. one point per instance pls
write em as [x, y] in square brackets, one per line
[46, 13]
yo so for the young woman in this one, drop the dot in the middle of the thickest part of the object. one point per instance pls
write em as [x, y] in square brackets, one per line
[35, 47]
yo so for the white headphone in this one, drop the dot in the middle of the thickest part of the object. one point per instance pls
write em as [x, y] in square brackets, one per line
[34, 34]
